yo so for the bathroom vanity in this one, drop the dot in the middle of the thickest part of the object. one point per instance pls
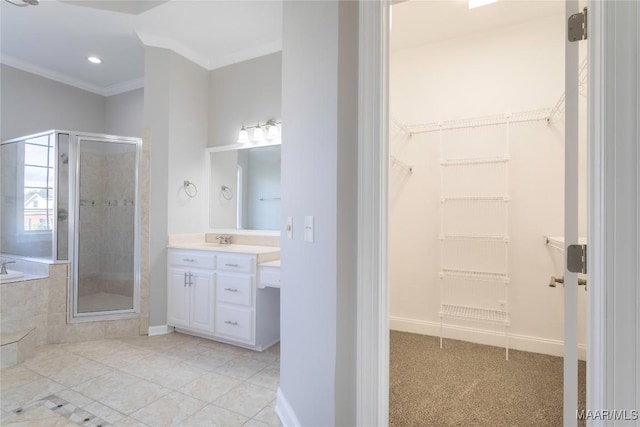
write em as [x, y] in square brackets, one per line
[213, 292]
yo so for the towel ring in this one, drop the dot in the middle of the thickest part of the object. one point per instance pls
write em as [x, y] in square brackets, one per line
[226, 192]
[190, 189]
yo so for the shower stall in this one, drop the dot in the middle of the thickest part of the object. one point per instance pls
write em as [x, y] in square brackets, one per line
[72, 196]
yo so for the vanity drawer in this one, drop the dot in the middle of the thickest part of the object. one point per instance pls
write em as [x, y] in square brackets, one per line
[235, 323]
[234, 289]
[269, 277]
[198, 259]
[239, 263]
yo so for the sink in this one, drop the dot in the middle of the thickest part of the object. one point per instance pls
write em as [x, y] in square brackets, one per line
[11, 274]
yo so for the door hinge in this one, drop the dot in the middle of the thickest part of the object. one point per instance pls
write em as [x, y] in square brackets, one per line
[577, 26]
[577, 258]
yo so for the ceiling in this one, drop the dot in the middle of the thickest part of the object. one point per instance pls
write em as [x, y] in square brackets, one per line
[418, 22]
[55, 38]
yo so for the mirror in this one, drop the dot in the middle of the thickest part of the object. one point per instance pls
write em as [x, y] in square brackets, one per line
[244, 187]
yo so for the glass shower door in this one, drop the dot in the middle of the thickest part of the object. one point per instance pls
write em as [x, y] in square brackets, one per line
[106, 244]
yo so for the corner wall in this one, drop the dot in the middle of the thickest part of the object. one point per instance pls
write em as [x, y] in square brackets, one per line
[319, 167]
[175, 128]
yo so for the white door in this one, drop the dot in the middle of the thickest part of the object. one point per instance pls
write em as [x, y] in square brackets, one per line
[572, 214]
[178, 297]
[202, 287]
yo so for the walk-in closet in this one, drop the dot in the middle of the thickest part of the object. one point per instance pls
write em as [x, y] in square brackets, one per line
[476, 213]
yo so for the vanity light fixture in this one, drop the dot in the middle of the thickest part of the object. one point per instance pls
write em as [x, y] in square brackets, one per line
[272, 132]
[94, 60]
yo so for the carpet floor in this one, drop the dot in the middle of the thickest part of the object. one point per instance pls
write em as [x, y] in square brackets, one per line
[466, 384]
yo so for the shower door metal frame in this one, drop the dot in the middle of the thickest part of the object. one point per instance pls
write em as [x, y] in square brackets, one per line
[73, 316]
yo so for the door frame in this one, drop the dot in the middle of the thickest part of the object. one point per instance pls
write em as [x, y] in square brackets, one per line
[372, 299]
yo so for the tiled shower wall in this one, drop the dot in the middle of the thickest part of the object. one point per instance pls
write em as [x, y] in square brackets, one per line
[107, 225]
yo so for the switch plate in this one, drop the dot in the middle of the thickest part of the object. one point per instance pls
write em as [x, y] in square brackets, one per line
[308, 228]
[289, 227]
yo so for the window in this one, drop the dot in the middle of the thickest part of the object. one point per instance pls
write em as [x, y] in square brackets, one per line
[38, 184]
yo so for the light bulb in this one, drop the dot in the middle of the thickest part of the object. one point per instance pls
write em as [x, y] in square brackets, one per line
[272, 133]
[243, 136]
[258, 134]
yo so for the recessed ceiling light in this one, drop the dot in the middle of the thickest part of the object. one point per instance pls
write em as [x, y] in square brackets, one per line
[94, 60]
[478, 3]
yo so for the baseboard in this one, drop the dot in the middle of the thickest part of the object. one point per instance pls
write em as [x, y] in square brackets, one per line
[160, 330]
[483, 336]
[285, 412]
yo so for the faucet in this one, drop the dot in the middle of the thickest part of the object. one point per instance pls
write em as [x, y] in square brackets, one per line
[3, 267]
[224, 240]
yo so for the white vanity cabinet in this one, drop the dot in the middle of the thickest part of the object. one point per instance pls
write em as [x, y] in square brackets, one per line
[214, 294]
[191, 290]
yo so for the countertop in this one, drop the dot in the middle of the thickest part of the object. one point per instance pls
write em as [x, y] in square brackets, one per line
[275, 263]
[238, 249]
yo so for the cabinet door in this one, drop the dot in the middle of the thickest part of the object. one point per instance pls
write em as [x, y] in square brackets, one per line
[178, 292]
[202, 301]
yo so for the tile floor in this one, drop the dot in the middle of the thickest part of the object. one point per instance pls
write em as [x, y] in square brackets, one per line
[166, 380]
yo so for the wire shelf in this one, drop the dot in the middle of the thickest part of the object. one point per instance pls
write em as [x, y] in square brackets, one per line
[473, 313]
[481, 276]
[557, 242]
[474, 237]
[498, 119]
[474, 161]
[475, 199]
[397, 162]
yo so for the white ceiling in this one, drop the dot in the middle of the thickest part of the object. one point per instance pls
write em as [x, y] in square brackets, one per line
[418, 22]
[54, 38]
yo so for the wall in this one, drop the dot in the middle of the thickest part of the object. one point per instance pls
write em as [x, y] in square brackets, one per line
[512, 69]
[124, 113]
[318, 307]
[243, 93]
[175, 126]
[33, 104]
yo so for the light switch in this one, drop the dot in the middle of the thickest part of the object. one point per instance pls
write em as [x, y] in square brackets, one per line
[289, 227]
[308, 228]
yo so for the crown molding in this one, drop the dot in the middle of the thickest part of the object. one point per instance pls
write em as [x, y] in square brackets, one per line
[64, 79]
[208, 64]
[177, 47]
[246, 54]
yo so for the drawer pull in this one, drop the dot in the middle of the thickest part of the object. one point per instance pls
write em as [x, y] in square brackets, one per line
[188, 260]
[232, 265]
[229, 322]
[231, 289]
[185, 279]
